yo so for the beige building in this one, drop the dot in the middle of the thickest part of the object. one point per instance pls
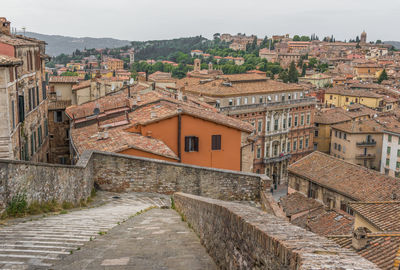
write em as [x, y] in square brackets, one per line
[359, 142]
[23, 100]
[326, 118]
[318, 80]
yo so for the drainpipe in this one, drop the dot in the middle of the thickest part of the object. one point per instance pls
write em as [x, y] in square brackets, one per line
[179, 136]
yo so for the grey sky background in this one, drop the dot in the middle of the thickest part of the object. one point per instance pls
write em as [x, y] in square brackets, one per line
[164, 19]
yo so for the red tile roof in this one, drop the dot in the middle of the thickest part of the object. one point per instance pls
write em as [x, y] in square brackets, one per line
[383, 215]
[87, 138]
[353, 181]
[382, 248]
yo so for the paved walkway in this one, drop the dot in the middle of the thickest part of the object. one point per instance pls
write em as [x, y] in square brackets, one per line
[157, 239]
[41, 243]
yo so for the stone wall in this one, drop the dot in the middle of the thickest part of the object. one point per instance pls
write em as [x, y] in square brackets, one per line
[122, 173]
[114, 172]
[242, 237]
[44, 182]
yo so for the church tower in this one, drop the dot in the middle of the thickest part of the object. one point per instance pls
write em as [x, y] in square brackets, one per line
[363, 38]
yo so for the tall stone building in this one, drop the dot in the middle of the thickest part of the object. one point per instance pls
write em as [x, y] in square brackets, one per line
[281, 113]
[23, 101]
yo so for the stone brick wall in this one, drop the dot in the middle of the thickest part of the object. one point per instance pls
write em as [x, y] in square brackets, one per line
[242, 237]
[44, 182]
[114, 172]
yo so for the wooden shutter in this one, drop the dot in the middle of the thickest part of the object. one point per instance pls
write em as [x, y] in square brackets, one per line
[187, 144]
[196, 144]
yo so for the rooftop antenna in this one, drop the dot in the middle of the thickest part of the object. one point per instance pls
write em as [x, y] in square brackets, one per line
[24, 30]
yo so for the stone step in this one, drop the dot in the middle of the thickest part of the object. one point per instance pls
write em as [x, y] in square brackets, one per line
[40, 243]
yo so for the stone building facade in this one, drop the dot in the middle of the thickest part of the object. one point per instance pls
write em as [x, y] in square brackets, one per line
[60, 97]
[23, 98]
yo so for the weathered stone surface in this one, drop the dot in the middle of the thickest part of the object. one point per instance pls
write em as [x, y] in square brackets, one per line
[242, 237]
[113, 172]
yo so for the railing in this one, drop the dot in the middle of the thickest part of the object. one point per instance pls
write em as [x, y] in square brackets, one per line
[268, 104]
[280, 158]
[366, 143]
[365, 156]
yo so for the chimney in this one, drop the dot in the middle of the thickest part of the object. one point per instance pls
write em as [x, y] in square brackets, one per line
[5, 26]
[153, 86]
[359, 239]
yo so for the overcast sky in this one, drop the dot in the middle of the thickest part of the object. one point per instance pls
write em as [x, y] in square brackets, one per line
[163, 19]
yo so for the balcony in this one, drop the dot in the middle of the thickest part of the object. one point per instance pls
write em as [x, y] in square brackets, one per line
[366, 143]
[365, 156]
[270, 104]
[281, 157]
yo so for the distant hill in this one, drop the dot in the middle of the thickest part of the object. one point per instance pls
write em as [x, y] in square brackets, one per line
[63, 44]
[396, 44]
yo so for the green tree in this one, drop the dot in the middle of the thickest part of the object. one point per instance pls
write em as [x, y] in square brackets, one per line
[296, 38]
[383, 76]
[304, 38]
[303, 70]
[293, 74]
[87, 77]
[378, 41]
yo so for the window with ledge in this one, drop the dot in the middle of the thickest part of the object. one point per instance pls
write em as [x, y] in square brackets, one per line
[288, 147]
[230, 102]
[276, 124]
[295, 145]
[302, 119]
[258, 151]
[308, 118]
[316, 133]
[58, 116]
[390, 138]
[290, 121]
[296, 120]
[216, 142]
[259, 126]
[191, 144]
[238, 101]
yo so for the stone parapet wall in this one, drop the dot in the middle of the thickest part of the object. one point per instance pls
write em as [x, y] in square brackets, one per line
[242, 237]
[114, 172]
[44, 182]
[122, 173]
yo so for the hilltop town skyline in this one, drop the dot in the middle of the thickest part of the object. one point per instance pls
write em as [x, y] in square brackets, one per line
[342, 19]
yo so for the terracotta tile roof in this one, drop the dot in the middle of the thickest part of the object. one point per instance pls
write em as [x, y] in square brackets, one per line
[9, 61]
[390, 122]
[381, 249]
[360, 127]
[86, 138]
[353, 181]
[106, 105]
[64, 79]
[339, 115]
[15, 41]
[383, 215]
[165, 107]
[331, 116]
[325, 222]
[296, 202]
[162, 102]
[241, 84]
[352, 92]
[81, 85]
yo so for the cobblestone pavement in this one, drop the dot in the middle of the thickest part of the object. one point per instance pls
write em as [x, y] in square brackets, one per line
[157, 239]
[41, 243]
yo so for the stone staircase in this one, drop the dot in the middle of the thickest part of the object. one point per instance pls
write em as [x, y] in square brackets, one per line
[38, 244]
